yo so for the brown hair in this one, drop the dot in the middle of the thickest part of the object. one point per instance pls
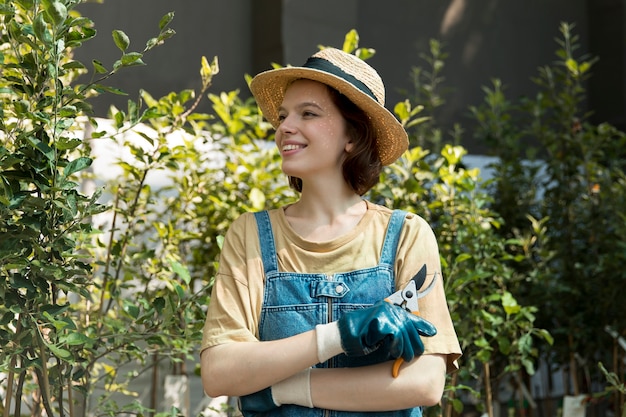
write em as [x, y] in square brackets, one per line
[362, 166]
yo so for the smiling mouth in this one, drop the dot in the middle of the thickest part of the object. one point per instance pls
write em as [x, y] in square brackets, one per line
[287, 148]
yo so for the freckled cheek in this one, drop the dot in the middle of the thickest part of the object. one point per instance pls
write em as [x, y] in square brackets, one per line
[328, 130]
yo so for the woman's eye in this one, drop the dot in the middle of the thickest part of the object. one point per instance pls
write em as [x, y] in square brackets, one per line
[308, 114]
[281, 117]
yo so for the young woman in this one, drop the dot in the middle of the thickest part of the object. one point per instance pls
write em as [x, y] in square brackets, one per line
[297, 323]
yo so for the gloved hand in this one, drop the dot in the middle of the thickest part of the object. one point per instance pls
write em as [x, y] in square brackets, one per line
[363, 331]
[294, 390]
[254, 404]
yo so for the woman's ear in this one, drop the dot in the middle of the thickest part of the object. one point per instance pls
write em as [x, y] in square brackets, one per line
[349, 146]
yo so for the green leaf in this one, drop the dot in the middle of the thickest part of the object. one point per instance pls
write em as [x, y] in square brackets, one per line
[166, 20]
[510, 303]
[572, 66]
[41, 30]
[504, 345]
[121, 40]
[401, 110]
[481, 342]
[97, 135]
[44, 148]
[207, 71]
[132, 58]
[76, 165]
[180, 270]
[365, 53]
[98, 67]
[457, 405]
[159, 304]
[60, 353]
[180, 291]
[65, 144]
[57, 12]
[529, 365]
[585, 67]
[74, 65]
[75, 339]
[418, 121]
[68, 111]
[131, 309]
[105, 88]
[166, 34]
[463, 257]
[546, 335]
[119, 119]
[351, 41]
[55, 309]
[21, 107]
[484, 356]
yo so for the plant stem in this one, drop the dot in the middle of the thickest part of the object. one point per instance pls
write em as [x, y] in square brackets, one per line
[42, 374]
[9, 393]
[488, 394]
[18, 393]
[572, 365]
[155, 380]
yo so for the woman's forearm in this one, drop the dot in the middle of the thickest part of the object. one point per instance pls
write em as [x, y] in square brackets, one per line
[241, 368]
[372, 388]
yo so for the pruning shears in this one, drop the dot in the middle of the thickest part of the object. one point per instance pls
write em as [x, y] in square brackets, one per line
[407, 298]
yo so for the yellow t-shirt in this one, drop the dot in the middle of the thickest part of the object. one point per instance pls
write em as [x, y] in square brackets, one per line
[237, 296]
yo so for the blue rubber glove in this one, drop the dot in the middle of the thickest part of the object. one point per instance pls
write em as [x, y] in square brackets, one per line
[257, 403]
[384, 324]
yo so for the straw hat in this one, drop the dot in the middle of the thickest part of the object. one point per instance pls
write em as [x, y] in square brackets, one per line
[349, 75]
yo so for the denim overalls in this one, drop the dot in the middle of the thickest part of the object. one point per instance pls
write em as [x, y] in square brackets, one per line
[295, 302]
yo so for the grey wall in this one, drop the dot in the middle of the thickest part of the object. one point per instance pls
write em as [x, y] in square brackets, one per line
[483, 39]
[507, 39]
[203, 28]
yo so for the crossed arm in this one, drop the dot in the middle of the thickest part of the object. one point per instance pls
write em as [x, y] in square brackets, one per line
[241, 368]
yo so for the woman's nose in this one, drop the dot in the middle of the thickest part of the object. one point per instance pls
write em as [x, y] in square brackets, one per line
[286, 125]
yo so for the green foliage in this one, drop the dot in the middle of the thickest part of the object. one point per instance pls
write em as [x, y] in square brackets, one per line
[494, 329]
[92, 281]
[573, 181]
[62, 319]
[615, 386]
[429, 95]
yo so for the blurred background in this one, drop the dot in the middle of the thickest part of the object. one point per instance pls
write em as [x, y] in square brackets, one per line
[484, 39]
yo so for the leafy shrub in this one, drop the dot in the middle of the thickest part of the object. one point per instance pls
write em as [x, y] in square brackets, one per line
[569, 174]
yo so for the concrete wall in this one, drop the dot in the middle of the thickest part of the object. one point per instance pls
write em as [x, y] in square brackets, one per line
[203, 28]
[483, 38]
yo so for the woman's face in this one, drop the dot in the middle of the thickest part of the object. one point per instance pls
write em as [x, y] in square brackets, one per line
[312, 136]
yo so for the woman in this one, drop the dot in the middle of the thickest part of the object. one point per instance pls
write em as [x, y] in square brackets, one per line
[297, 324]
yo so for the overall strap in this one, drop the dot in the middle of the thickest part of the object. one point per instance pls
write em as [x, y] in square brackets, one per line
[266, 239]
[392, 237]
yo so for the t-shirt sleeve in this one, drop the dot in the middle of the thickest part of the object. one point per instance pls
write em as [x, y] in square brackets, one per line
[232, 314]
[418, 247]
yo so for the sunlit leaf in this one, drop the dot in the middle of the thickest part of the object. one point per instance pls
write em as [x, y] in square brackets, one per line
[76, 165]
[180, 270]
[121, 40]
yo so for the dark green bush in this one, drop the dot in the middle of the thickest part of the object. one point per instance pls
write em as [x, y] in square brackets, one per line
[558, 167]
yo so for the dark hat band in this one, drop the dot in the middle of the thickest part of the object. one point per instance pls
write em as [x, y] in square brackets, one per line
[327, 66]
